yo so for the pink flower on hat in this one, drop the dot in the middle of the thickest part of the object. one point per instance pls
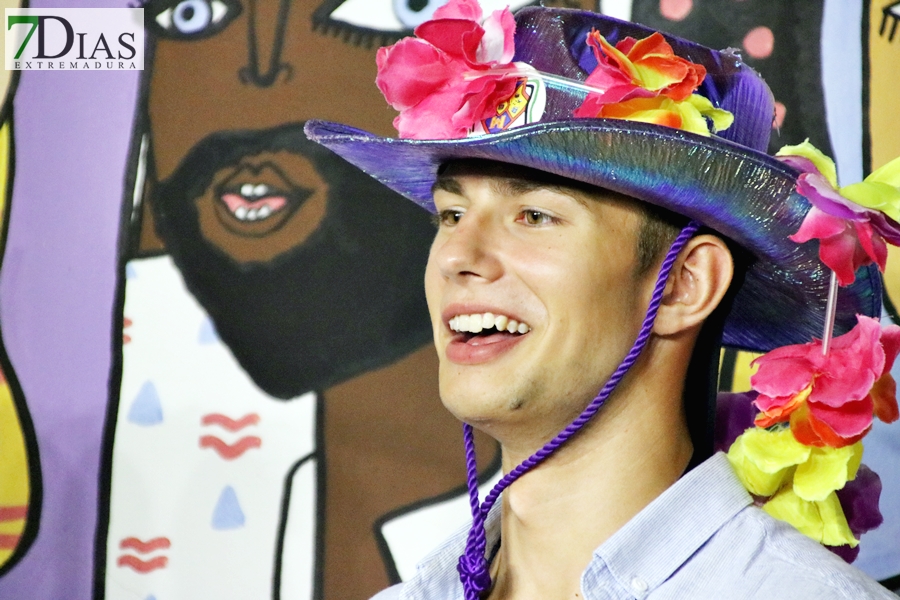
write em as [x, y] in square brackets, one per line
[830, 399]
[643, 80]
[853, 223]
[429, 78]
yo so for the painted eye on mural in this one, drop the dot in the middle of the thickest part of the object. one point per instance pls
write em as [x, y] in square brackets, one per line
[388, 19]
[890, 18]
[189, 19]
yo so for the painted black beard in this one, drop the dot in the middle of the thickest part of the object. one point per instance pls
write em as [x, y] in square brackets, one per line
[348, 300]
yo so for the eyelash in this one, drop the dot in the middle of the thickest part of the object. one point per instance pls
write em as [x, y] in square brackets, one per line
[444, 217]
[544, 218]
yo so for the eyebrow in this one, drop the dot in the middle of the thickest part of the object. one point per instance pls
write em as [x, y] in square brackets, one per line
[507, 186]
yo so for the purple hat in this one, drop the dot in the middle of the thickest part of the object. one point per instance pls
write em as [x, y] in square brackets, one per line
[725, 181]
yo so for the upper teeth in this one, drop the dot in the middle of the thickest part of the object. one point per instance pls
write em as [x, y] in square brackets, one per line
[248, 190]
[479, 322]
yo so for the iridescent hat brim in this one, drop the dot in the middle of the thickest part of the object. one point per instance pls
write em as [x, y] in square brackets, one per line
[741, 193]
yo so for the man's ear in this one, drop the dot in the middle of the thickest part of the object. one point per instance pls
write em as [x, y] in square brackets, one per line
[696, 285]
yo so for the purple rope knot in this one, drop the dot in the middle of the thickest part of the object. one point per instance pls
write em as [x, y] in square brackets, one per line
[473, 573]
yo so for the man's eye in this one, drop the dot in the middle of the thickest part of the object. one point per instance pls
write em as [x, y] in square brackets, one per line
[536, 217]
[447, 217]
[183, 19]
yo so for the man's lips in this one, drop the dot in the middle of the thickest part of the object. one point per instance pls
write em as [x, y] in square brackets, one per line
[469, 349]
[479, 334]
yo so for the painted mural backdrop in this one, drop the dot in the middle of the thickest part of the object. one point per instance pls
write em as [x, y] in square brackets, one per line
[217, 376]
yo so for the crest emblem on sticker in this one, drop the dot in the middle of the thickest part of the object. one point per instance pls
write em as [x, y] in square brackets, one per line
[524, 107]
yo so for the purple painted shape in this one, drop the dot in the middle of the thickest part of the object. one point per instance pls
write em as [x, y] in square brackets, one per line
[57, 286]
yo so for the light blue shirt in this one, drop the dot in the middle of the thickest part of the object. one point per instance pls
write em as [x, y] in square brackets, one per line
[701, 539]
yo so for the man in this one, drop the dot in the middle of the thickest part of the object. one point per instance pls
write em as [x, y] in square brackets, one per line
[546, 285]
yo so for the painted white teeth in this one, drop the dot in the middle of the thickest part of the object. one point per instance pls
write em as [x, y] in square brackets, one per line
[264, 211]
[480, 322]
[261, 190]
[247, 190]
[251, 214]
[240, 212]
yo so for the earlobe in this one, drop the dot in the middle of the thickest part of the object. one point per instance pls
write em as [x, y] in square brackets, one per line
[696, 285]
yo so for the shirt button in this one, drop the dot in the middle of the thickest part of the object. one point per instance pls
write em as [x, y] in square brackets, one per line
[639, 585]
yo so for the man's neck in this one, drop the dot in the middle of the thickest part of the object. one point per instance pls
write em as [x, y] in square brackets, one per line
[554, 517]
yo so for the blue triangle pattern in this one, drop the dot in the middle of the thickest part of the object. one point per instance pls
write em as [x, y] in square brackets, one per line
[150, 597]
[131, 273]
[208, 333]
[146, 409]
[228, 513]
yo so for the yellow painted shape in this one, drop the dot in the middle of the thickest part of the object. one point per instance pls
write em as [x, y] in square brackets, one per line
[742, 370]
[4, 170]
[14, 480]
[884, 114]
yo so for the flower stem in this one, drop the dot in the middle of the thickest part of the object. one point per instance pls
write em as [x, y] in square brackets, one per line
[830, 312]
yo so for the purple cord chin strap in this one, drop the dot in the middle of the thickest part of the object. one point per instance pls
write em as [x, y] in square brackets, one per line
[473, 566]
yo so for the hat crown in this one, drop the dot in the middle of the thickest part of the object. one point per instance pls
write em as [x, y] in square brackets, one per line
[555, 41]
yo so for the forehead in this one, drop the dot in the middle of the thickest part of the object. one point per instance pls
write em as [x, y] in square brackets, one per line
[515, 180]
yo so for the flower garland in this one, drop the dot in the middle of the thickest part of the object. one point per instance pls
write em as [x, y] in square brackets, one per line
[816, 401]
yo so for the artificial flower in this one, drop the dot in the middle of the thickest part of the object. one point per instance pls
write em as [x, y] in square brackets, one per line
[826, 470]
[643, 80]
[859, 499]
[830, 399]
[441, 80]
[822, 520]
[764, 460]
[851, 223]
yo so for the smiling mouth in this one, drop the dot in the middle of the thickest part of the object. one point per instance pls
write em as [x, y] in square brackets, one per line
[485, 328]
[256, 200]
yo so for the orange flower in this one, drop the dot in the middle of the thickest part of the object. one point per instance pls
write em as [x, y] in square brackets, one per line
[643, 80]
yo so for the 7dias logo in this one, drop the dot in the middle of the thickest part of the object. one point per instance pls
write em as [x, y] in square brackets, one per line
[74, 39]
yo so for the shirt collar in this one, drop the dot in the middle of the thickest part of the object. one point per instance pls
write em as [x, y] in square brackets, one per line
[650, 547]
[668, 531]
[436, 576]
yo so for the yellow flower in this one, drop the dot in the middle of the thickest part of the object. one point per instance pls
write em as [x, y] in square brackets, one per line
[827, 469]
[822, 520]
[878, 191]
[764, 459]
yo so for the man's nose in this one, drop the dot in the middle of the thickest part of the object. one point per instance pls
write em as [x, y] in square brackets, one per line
[267, 22]
[469, 252]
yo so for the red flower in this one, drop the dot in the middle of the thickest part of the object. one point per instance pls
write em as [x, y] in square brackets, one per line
[433, 79]
[830, 399]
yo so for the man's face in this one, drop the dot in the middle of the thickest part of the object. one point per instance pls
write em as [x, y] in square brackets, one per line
[516, 245]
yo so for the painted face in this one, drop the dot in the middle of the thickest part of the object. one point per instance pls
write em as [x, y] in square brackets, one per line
[532, 293]
[238, 65]
[305, 264]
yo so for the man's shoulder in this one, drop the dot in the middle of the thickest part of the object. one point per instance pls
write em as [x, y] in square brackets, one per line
[391, 593]
[767, 558]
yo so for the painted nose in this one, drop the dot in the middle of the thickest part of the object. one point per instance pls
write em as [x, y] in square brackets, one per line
[266, 28]
[468, 251]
